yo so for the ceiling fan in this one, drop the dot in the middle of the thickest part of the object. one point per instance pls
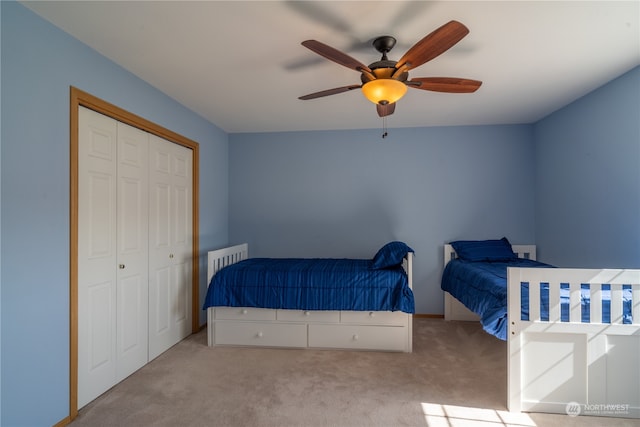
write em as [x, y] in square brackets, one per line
[384, 82]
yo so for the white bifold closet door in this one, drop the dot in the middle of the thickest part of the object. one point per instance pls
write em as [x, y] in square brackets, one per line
[170, 244]
[113, 253]
[117, 270]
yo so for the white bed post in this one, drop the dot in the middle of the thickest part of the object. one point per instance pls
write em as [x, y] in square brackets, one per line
[409, 270]
[514, 383]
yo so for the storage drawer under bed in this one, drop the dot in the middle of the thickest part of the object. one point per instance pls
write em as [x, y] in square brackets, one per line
[364, 337]
[260, 334]
[396, 318]
[308, 316]
[244, 313]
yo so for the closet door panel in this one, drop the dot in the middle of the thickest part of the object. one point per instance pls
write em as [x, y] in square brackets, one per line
[182, 213]
[131, 296]
[182, 162]
[181, 251]
[160, 275]
[133, 250]
[182, 311]
[97, 255]
[99, 216]
[160, 223]
[161, 308]
[170, 224]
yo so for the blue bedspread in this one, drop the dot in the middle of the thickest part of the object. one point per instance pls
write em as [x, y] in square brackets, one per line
[482, 288]
[310, 284]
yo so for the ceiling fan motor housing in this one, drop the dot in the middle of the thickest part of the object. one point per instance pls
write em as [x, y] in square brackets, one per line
[383, 69]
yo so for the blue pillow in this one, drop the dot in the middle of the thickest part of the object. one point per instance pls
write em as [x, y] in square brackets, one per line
[484, 250]
[390, 255]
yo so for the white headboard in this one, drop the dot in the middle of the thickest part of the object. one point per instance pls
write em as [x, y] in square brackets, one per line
[222, 257]
[523, 251]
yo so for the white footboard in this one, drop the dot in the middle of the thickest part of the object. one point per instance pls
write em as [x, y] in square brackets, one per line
[356, 330]
[570, 366]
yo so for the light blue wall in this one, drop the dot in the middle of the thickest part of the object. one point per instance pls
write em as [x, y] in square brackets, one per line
[346, 193]
[588, 179]
[39, 64]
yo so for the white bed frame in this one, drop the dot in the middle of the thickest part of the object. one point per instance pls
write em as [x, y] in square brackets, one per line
[353, 330]
[573, 367]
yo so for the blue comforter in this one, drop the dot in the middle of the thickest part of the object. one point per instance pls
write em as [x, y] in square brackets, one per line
[310, 284]
[482, 288]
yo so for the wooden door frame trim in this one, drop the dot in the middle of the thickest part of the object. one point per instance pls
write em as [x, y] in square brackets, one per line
[80, 98]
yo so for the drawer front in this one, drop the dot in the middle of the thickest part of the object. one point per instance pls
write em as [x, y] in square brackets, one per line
[398, 318]
[242, 313]
[391, 338]
[308, 316]
[261, 334]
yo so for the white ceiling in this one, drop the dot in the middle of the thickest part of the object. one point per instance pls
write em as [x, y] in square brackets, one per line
[240, 64]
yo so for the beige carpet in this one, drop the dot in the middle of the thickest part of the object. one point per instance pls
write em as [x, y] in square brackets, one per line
[456, 376]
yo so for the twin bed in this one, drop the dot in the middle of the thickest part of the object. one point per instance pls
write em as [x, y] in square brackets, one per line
[358, 304]
[573, 335]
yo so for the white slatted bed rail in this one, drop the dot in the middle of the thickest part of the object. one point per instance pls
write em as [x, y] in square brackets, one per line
[218, 259]
[352, 330]
[595, 366]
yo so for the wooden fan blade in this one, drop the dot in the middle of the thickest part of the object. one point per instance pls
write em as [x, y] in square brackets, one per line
[385, 110]
[434, 44]
[330, 92]
[335, 55]
[445, 84]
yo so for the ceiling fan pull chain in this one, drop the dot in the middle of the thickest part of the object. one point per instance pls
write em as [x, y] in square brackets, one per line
[384, 127]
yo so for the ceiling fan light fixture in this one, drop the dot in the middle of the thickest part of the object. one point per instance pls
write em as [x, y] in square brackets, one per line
[384, 91]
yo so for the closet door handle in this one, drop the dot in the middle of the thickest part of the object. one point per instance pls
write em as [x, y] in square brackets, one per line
[170, 255]
[121, 266]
